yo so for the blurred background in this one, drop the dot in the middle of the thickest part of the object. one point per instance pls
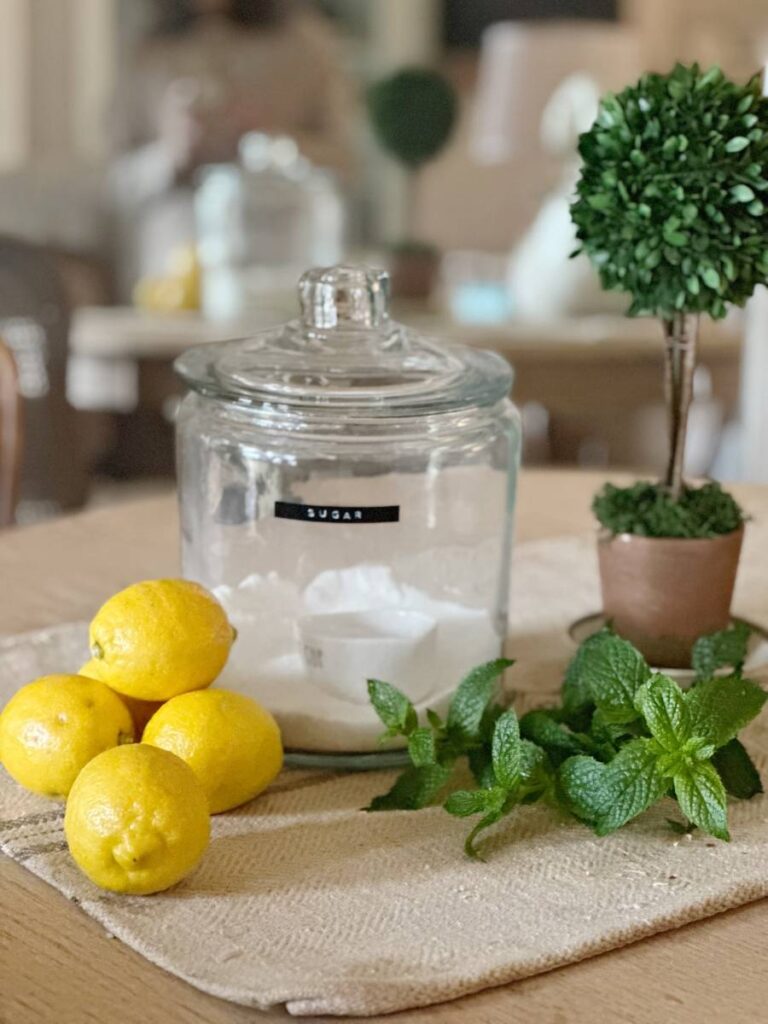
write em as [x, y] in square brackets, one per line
[169, 167]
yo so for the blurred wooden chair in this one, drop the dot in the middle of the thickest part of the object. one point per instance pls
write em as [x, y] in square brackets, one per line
[34, 324]
[10, 436]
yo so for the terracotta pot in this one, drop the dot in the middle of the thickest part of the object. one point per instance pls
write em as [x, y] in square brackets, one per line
[664, 593]
[413, 273]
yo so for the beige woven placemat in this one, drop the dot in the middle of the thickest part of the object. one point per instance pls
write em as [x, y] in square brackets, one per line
[306, 901]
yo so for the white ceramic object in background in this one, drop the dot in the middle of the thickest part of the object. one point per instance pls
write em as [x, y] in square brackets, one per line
[343, 650]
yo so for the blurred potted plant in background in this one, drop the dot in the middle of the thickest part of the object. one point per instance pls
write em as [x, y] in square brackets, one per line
[672, 207]
[412, 113]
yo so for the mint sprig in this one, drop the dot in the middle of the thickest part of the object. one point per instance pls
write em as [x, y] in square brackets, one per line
[726, 648]
[623, 738]
[393, 708]
[521, 773]
[435, 748]
[685, 730]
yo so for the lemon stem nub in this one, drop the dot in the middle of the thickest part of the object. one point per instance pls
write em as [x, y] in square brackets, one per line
[97, 651]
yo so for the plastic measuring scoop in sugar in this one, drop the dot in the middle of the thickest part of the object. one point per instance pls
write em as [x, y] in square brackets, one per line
[342, 650]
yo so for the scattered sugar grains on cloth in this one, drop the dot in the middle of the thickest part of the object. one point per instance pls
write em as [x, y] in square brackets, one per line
[305, 901]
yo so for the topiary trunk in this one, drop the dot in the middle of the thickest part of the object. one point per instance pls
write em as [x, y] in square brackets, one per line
[681, 333]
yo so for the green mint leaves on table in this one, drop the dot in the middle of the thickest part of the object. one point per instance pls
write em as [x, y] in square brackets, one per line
[623, 738]
[435, 748]
[521, 773]
[719, 650]
[677, 735]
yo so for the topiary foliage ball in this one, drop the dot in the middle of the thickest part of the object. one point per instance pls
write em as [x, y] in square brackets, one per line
[413, 113]
[672, 203]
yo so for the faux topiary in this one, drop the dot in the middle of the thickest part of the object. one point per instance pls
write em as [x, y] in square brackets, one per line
[412, 113]
[672, 208]
[672, 202]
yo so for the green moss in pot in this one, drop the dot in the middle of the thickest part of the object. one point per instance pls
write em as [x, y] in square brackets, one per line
[412, 114]
[672, 208]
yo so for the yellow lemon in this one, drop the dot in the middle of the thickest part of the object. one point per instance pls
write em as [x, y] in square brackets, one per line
[175, 291]
[53, 727]
[160, 638]
[137, 820]
[184, 266]
[231, 742]
[141, 710]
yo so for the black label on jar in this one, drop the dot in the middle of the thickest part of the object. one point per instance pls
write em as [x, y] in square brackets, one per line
[337, 513]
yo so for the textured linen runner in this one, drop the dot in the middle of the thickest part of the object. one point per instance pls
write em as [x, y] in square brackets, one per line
[305, 901]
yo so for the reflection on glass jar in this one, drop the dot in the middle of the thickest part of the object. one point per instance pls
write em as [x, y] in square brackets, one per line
[347, 490]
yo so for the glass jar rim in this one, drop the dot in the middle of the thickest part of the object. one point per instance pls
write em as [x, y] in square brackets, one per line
[469, 377]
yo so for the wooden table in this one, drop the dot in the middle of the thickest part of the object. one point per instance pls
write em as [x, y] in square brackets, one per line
[598, 377]
[57, 966]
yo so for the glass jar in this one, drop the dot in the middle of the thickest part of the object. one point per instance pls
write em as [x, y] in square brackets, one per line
[347, 489]
[259, 223]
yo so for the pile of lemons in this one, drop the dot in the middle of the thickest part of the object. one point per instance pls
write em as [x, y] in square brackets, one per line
[140, 749]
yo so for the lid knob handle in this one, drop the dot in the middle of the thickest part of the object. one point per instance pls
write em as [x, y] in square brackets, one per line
[344, 295]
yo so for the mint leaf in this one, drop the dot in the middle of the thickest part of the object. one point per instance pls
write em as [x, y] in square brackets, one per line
[720, 707]
[576, 694]
[393, 708]
[586, 788]
[702, 798]
[662, 704]
[537, 775]
[465, 802]
[613, 671]
[506, 751]
[737, 771]
[422, 747]
[576, 691]
[494, 803]
[471, 699]
[559, 742]
[414, 789]
[636, 784]
[728, 647]
[607, 796]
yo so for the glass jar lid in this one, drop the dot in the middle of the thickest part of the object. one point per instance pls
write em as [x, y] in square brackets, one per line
[345, 352]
